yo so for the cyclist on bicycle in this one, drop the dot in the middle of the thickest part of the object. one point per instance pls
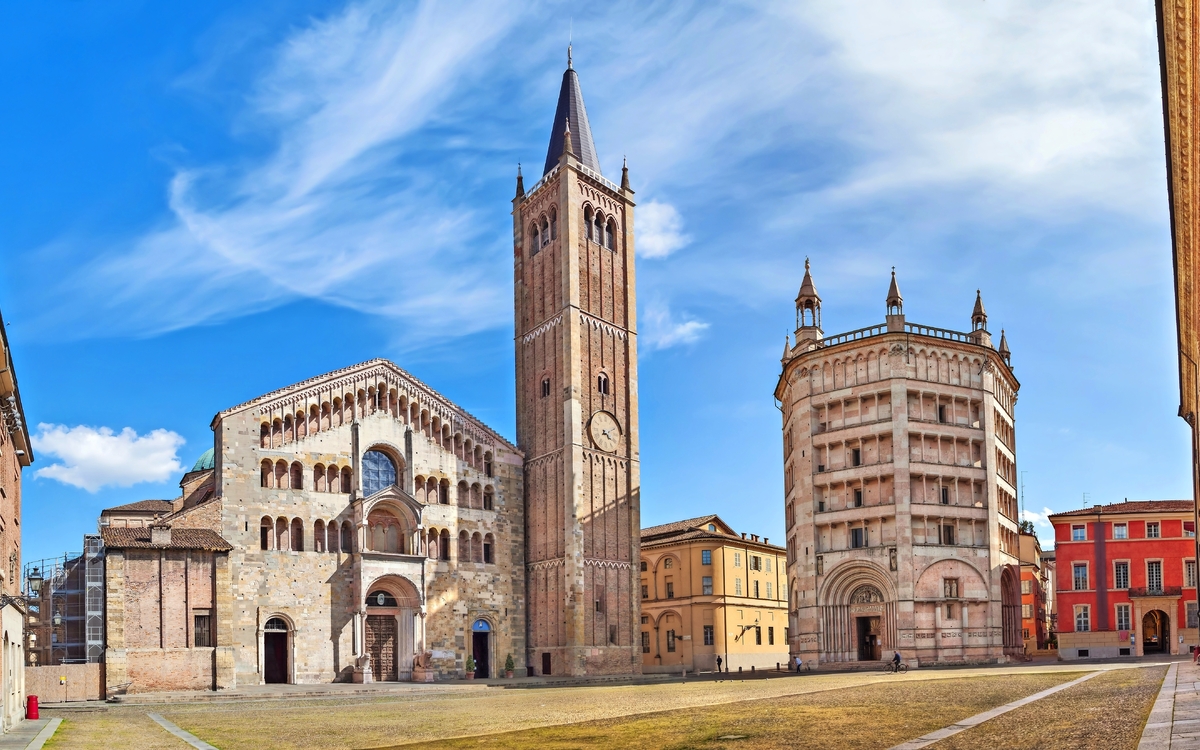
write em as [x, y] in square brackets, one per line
[896, 662]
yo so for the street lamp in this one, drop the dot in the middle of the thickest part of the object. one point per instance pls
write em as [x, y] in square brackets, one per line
[58, 618]
[35, 581]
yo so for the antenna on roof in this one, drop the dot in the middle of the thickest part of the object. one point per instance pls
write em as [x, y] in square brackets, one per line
[1021, 492]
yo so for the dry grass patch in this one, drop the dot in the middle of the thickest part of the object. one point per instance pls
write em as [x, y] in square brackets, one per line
[879, 715]
[1105, 713]
[120, 729]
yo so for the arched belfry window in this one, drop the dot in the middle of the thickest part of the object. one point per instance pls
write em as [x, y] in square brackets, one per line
[599, 232]
[602, 383]
[545, 231]
[608, 235]
[587, 222]
[545, 387]
[537, 239]
[378, 472]
[553, 224]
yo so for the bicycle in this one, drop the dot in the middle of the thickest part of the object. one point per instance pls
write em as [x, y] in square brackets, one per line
[892, 667]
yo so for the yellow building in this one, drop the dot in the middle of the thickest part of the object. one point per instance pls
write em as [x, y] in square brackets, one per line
[708, 592]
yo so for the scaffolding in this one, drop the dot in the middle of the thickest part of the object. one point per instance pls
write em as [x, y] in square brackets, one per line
[66, 619]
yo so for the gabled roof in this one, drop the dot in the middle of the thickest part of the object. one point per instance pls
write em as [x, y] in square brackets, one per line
[364, 369]
[1135, 506]
[570, 108]
[146, 506]
[139, 538]
[686, 525]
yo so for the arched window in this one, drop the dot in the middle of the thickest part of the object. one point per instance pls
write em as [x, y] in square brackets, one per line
[297, 479]
[431, 491]
[319, 536]
[378, 472]
[319, 478]
[444, 492]
[345, 483]
[608, 235]
[281, 470]
[537, 238]
[476, 496]
[297, 535]
[267, 472]
[347, 537]
[264, 436]
[332, 483]
[444, 545]
[545, 232]
[599, 233]
[281, 534]
[432, 550]
[553, 224]
[668, 563]
[265, 528]
[587, 223]
[489, 549]
[289, 434]
[545, 387]
[314, 419]
[489, 499]
[463, 495]
[477, 547]
[386, 533]
[331, 534]
[464, 547]
[487, 464]
[602, 383]
[276, 624]
[276, 433]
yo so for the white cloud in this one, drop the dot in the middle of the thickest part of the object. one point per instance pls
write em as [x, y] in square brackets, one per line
[660, 329]
[96, 457]
[659, 230]
[1041, 520]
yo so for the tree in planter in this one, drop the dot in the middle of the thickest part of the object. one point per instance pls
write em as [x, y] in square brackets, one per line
[470, 666]
[509, 666]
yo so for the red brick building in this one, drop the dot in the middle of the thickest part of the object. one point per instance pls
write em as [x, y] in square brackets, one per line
[1126, 579]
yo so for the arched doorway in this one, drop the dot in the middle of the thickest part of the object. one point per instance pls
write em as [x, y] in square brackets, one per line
[866, 604]
[1010, 610]
[1156, 632]
[481, 648]
[275, 651]
[390, 638]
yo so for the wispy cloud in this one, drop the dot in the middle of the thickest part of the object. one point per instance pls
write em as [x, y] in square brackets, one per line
[95, 457]
[659, 230]
[662, 329]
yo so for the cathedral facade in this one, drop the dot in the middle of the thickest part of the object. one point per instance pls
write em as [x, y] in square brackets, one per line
[900, 490]
[359, 526]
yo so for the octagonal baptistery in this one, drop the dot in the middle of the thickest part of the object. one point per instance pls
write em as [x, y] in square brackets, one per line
[900, 490]
[374, 523]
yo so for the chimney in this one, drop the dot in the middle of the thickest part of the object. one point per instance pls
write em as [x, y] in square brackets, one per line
[766, 539]
[160, 534]
[743, 535]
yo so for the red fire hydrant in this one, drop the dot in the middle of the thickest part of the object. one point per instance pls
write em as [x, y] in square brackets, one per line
[31, 707]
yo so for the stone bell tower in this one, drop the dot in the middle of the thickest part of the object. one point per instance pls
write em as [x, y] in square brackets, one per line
[577, 404]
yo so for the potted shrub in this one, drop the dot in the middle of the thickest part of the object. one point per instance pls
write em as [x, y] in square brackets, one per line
[509, 666]
[470, 667]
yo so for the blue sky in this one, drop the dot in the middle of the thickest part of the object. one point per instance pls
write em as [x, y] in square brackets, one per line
[204, 202]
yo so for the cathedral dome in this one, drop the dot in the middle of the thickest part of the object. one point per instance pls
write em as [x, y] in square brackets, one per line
[205, 462]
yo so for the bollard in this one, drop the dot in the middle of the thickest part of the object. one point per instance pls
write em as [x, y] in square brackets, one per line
[777, 669]
[739, 670]
[751, 669]
[31, 708]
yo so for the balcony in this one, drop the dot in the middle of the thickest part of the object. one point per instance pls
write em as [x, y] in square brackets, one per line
[1159, 591]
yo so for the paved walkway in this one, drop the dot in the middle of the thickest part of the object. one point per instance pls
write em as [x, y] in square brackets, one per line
[29, 735]
[1175, 719]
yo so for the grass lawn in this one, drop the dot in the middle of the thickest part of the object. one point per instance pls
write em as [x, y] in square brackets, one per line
[1106, 712]
[124, 728]
[873, 716]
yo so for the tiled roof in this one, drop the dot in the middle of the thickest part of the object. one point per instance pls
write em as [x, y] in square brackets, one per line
[684, 536]
[1135, 506]
[156, 506]
[139, 538]
[670, 528]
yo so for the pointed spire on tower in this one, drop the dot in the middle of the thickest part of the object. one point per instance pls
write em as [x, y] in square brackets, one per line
[570, 108]
[625, 174]
[895, 303]
[787, 347]
[1005, 354]
[808, 308]
[978, 315]
[520, 182]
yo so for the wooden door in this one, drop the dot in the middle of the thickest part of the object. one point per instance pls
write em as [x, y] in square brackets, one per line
[381, 646]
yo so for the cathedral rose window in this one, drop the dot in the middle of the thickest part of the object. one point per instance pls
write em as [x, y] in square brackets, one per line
[378, 472]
